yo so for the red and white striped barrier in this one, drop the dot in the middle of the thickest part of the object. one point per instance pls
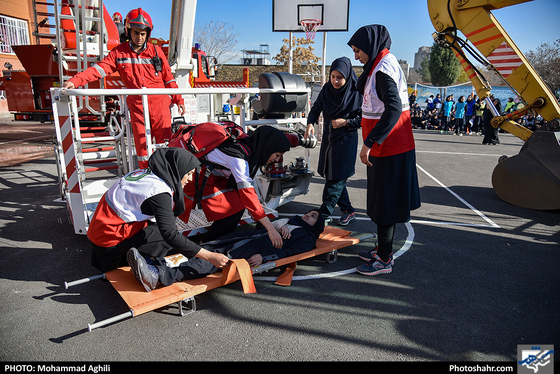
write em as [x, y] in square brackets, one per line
[62, 110]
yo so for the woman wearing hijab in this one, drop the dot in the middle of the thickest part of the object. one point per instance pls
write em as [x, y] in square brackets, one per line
[229, 190]
[124, 216]
[388, 148]
[340, 102]
[300, 234]
[491, 132]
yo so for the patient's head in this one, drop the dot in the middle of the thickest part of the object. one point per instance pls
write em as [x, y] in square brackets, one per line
[311, 217]
[315, 220]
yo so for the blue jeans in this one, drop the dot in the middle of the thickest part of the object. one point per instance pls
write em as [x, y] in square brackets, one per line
[335, 193]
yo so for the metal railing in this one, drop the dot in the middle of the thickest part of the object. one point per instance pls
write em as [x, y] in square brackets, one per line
[74, 188]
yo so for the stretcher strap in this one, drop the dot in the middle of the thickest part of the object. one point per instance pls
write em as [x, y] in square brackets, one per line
[285, 279]
[331, 239]
[241, 269]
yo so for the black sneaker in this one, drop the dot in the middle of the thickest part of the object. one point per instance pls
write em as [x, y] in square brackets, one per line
[367, 256]
[146, 274]
[346, 218]
[375, 267]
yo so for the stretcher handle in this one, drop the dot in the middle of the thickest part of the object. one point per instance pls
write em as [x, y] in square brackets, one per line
[108, 321]
[84, 280]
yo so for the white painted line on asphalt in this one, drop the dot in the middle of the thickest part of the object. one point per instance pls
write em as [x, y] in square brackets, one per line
[406, 246]
[460, 153]
[408, 242]
[452, 224]
[459, 198]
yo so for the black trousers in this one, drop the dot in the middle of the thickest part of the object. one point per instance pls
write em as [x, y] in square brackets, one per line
[148, 241]
[385, 235]
[196, 267]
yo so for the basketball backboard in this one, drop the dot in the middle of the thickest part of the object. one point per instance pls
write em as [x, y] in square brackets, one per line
[288, 14]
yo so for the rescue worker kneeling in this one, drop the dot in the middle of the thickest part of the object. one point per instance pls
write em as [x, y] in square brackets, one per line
[299, 233]
[124, 217]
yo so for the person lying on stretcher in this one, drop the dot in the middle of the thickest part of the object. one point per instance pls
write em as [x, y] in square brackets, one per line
[299, 233]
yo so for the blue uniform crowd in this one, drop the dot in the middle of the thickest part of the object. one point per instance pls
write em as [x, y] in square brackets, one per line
[464, 115]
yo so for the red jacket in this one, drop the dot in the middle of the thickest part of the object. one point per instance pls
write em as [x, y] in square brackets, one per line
[220, 200]
[136, 69]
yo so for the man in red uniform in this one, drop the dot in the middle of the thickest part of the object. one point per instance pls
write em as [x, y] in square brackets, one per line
[140, 64]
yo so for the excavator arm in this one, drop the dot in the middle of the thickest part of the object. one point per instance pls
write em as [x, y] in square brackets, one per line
[532, 178]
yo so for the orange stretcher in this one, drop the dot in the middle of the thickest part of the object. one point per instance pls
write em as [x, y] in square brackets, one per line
[140, 301]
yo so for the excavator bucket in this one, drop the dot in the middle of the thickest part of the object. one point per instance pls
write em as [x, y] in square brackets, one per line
[531, 179]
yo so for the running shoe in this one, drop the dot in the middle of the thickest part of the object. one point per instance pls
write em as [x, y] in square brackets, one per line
[146, 274]
[375, 267]
[372, 255]
[346, 218]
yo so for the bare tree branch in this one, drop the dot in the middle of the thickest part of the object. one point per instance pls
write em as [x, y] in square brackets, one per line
[217, 39]
[546, 61]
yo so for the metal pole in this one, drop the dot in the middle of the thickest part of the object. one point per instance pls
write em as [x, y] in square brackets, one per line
[490, 105]
[147, 124]
[174, 91]
[323, 70]
[291, 56]
[108, 321]
[84, 280]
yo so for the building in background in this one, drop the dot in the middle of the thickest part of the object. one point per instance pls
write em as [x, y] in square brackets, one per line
[20, 24]
[405, 67]
[421, 55]
[254, 57]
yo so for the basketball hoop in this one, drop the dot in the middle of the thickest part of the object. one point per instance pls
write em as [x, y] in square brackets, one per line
[310, 26]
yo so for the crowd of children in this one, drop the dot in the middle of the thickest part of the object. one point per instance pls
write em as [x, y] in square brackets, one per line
[464, 116]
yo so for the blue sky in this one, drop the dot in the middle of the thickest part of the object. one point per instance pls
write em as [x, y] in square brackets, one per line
[529, 24]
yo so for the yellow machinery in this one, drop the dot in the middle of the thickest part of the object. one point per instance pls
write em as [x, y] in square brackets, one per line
[530, 179]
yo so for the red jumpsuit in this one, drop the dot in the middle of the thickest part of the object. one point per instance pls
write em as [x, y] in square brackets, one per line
[137, 70]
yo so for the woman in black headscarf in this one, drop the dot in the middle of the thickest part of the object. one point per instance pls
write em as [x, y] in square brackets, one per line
[491, 132]
[388, 149]
[340, 102]
[124, 217]
[229, 190]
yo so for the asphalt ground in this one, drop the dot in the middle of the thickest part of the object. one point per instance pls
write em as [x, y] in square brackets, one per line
[474, 278]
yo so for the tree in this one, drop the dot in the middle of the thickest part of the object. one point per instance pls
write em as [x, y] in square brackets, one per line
[546, 61]
[217, 39]
[414, 77]
[303, 57]
[443, 66]
[423, 71]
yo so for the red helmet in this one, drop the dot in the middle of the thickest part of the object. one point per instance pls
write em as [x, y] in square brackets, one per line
[139, 19]
[117, 17]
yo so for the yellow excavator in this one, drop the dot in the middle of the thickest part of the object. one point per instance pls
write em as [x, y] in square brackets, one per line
[530, 179]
